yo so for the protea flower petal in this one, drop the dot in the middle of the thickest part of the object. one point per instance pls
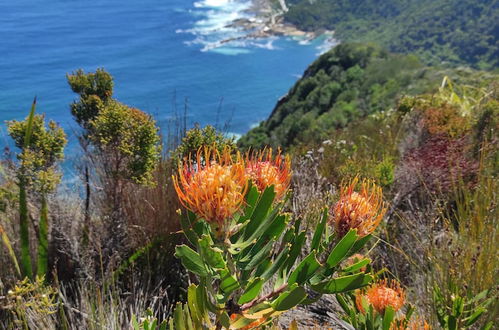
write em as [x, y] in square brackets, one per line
[265, 170]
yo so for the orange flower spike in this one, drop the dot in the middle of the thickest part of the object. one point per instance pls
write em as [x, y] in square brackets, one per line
[213, 186]
[383, 294]
[265, 170]
[362, 210]
[359, 296]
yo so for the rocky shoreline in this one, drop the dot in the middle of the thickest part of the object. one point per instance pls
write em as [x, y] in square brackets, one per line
[267, 21]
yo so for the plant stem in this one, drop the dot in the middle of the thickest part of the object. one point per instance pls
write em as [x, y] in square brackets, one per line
[262, 299]
[24, 230]
[43, 238]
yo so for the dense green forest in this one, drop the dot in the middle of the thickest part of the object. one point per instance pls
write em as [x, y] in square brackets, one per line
[347, 83]
[454, 32]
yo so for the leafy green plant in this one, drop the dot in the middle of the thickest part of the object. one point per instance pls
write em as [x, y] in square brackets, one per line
[41, 150]
[122, 148]
[148, 323]
[129, 140]
[31, 303]
[457, 312]
[244, 250]
[198, 137]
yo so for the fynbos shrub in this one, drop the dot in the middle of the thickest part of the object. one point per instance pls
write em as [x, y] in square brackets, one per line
[244, 249]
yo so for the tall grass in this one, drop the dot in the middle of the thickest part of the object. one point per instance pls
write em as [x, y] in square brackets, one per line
[466, 259]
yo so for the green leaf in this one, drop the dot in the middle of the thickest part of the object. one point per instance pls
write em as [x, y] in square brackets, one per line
[213, 256]
[178, 317]
[474, 317]
[191, 260]
[343, 304]
[356, 266]
[341, 249]
[359, 244]
[252, 291]
[29, 127]
[204, 304]
[343, 284]
[262, 268]
[305, 270]
[135, 324]
[277, 227]
[316, 240]
[260, 212]
[258, 257]
[451, 323]
[276, 265]
[296, 248]
[187, 229]
[251, 199]
[225, 319]
[187, 318]
[388, 318]
[488, 326]
[289, 299]
[240, 322]
[228, 283]
[200, 227]
[266, 225]
[192, 302]
[288, 236]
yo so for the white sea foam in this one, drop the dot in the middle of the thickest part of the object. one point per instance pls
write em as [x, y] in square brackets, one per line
[213, 26]
[235, 136]
[328, 43]
[212, 3]
[255, 125]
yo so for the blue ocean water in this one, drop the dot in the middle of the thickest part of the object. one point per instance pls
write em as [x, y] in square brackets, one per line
[155, 49]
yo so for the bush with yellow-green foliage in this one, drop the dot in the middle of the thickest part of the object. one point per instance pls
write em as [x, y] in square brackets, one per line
[41, 150]
[129, 140]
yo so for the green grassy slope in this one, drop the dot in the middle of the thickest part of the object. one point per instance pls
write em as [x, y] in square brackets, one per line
[349, 82]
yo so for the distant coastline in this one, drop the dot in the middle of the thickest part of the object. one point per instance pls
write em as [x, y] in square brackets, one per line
[268, 21]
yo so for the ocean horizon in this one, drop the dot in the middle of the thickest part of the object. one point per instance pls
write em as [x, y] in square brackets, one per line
[160, 53]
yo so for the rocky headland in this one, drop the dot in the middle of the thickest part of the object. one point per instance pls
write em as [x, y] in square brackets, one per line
[267, 20]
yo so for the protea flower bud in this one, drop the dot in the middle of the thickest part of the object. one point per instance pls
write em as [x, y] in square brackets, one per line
[361, 210]
[265, 170]
[213, 186]
[381, 295]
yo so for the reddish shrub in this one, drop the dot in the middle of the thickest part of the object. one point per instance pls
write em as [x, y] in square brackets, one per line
[441, 161]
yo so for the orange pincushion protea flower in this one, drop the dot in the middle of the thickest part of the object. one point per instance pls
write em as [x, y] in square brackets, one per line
[265, 170]
[360, 210]
[213, 186]
[381, 295]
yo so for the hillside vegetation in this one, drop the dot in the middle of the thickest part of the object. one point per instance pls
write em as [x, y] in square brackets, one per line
[381, 214]
[456, 31]
[349, 82]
